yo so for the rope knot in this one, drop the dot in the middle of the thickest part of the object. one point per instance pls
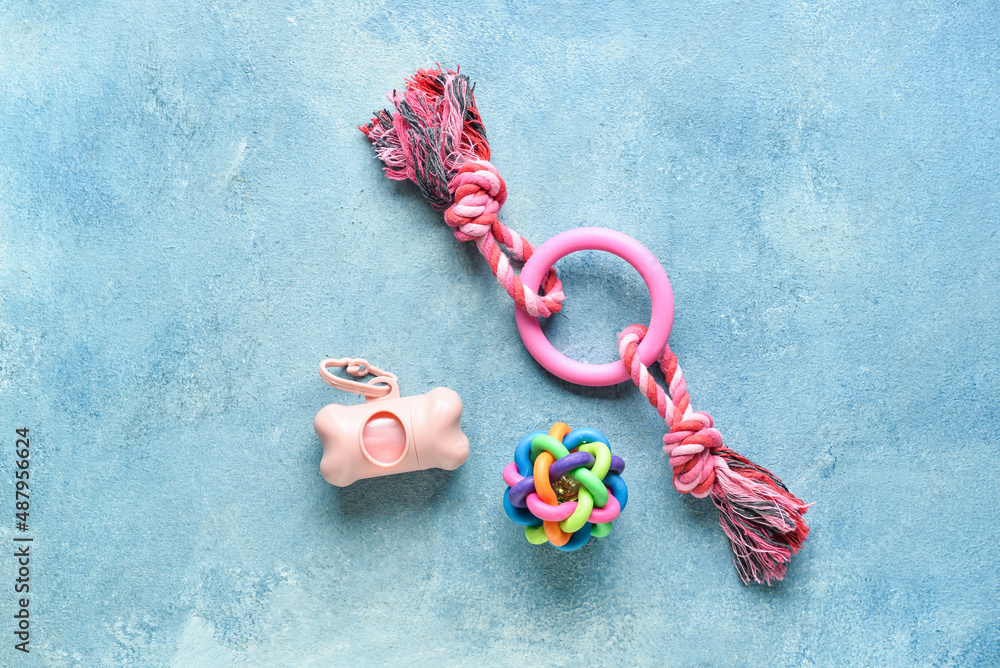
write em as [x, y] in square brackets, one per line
[693, 456]
[478, 193]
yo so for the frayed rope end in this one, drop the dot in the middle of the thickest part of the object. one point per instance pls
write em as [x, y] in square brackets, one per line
[436, 128]
[763, 520]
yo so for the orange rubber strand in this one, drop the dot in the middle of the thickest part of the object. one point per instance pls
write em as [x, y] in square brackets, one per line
[559, 431]
[543, 486]
[556, 536]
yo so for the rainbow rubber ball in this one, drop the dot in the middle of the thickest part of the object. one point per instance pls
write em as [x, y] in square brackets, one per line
[564, 486]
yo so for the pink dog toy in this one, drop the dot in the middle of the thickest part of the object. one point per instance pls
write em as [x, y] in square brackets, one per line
[436, 139]
[660, 294]
[388, 433]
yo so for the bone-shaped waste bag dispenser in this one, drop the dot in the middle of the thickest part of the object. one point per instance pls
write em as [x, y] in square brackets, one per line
[388, 433]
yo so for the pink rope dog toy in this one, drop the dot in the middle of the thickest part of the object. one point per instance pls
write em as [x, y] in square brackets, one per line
[436, 139]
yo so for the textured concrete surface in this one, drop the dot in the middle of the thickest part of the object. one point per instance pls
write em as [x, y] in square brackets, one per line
[189, 222]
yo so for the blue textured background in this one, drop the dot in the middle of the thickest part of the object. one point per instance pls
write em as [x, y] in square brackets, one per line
[189, 222]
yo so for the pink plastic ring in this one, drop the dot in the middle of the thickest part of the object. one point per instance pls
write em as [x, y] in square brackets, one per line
[661, 296]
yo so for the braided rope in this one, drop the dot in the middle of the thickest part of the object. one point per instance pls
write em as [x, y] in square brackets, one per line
[691, 441]
[479, 192]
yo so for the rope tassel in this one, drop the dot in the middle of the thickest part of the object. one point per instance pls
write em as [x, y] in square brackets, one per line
[762, 519]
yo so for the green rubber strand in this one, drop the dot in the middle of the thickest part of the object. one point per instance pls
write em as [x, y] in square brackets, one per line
[584, 506]
[593, 484]
[600, 530]
[602, 454]
[546, 442]
[535, 535]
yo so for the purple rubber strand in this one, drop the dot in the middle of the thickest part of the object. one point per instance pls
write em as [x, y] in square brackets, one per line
[573, 460]
[519, 492]
[617, 464]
